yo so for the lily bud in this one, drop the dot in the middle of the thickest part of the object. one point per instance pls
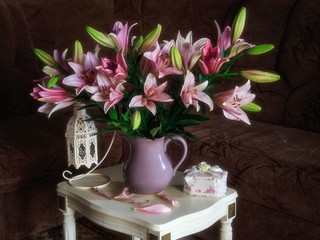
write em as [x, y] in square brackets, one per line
[151, 39]
[260, 49]
[260, 76]
[101, 38]
[136, 120]
[238, 25]
[251, 107]
[78, 52]
[175, 58]
[50, 71]
[53, 81]
[45, 57]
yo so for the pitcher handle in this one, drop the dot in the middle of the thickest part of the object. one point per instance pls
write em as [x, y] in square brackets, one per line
[185, 149]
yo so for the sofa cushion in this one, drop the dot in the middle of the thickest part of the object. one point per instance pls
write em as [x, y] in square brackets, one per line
[25, 60]
[184, 16]
[31, 150]
[56, 24]
[264, 26]
[274, 166]
[6, 43]
[128, 11]
[299, 66]
[260, 23]
[16, 76]
[15, 99]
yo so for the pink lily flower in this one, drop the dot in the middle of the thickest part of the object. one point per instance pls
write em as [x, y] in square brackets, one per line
[238, 47]
[190, 52]
[52, 71]
[231, 102]
[114, 69]
[101, 193]
[224, 42]
[211, 60]
[158, 61]
[224, 38]
[153, 93]
[61, 60]
[55, 98]
[191, 94]
[109, 90]
[83, 74]
[121, 36]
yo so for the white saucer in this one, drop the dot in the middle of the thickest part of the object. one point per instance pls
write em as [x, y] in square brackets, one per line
[90, 181]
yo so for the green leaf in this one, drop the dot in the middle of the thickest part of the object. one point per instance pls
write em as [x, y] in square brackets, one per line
[251, 107]
[260, 49]
[113, 114]
[155, 131]
[116, 123]
[125, 116]
[190, 136]
[107, 130]
[193, 117]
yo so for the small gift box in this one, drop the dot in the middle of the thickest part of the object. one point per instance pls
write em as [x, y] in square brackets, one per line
[205, 180]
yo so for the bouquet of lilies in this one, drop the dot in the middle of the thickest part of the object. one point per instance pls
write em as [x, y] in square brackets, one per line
[149, 88]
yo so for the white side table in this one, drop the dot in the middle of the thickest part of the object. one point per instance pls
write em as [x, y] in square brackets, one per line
[193, 215]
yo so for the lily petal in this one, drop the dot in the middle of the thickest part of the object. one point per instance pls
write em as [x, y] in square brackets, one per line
[136, 101]
[155, 208]
[169, 199]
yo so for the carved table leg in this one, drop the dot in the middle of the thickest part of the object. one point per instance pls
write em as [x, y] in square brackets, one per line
[69, 224]
[226, 229]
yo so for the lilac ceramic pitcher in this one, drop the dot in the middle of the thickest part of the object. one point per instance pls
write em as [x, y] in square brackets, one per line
[148, 168]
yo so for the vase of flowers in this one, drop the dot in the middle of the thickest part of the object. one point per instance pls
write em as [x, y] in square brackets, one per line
[152, 89]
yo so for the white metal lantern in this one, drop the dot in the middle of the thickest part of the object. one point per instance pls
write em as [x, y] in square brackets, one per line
[81, 139]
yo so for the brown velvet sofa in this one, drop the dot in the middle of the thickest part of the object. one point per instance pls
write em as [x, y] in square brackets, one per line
[274, 163]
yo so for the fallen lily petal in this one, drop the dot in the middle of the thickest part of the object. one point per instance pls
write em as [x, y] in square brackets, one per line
[133, 201]
[169, 199]
[155, 208]
[125, 194]
[101, 193]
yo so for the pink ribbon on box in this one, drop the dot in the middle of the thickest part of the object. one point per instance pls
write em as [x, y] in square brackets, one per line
[203, 167]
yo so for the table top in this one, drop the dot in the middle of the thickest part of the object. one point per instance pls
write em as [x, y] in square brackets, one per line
[85, 201]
